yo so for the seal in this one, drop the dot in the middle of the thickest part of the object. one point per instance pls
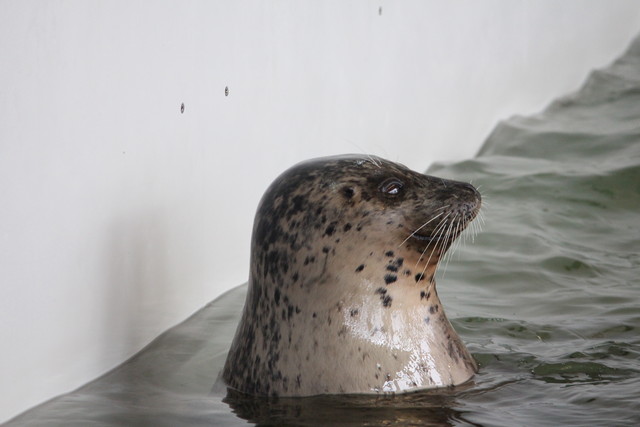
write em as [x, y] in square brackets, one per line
[341, 295]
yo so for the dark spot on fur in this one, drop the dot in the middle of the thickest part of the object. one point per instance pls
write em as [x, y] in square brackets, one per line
[392, 267]
[354, 312]
[330, 229]
[360, 268]
[347, 227]
[298, 205]
[452, 352]
[326, 250]
[276, 296]
[389, 253]
[390, 278]
[386, 301]
[419, 277]
[423, 294]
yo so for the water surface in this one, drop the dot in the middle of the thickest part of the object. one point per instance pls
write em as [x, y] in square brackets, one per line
[547, 298]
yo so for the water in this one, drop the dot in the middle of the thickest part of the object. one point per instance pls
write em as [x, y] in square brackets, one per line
[547, 298]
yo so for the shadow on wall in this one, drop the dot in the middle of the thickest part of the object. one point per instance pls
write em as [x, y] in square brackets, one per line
[139, 284]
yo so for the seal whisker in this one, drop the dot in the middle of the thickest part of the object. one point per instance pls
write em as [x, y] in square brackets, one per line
[473, 230]
[418, 229]
[423, 252]
[439, 233]
[444, 256]
[426, 264]
[372, 159]
[465, 230]
[450, 236]
[441, 243]
[366, 156]
[436, 237]
[477, 226]
[481, 220]
[460, 228]
[457, 232]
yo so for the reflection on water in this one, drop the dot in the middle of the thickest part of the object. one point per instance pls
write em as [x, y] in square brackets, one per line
[439, 408]
[546, 298]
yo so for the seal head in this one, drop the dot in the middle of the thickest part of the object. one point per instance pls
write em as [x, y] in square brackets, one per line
[342, 296]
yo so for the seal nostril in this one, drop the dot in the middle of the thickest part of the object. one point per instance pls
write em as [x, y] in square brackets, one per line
[471, 189]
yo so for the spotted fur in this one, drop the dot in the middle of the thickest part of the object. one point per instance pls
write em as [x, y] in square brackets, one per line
[341, 294]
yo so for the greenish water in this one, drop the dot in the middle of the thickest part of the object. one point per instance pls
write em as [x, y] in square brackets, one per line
[547, 298]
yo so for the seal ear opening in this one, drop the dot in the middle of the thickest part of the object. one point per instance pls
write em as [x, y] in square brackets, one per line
[348, 192]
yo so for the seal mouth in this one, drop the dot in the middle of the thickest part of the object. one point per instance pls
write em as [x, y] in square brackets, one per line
[425, 238]
[444, 233]
[448, 229]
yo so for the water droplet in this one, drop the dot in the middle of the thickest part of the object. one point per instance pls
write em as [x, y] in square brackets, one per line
[226, 91]
[182, 108]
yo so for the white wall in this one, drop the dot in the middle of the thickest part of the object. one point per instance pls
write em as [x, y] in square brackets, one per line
[120, 216]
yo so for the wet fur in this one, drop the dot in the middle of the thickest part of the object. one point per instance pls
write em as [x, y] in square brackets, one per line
[342, 295]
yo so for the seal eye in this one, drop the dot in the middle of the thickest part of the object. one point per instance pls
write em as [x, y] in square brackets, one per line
[392, 186]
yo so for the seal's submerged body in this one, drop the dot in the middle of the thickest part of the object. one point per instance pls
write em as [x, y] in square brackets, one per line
[342, 295]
